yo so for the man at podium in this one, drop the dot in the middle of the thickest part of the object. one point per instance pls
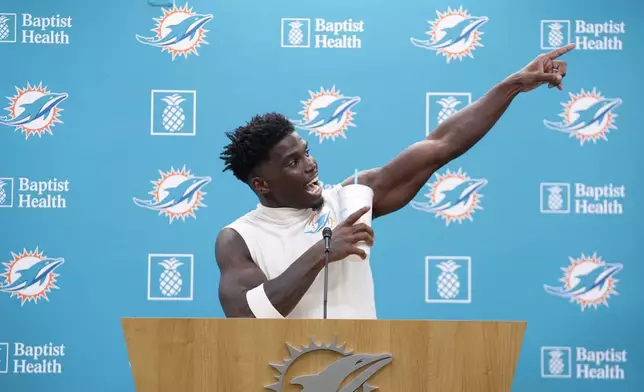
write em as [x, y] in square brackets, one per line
[271, 259]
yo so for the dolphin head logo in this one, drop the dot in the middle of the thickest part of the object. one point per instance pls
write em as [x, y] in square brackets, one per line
[36, 273]
[345, 103]
[53, 99]
[472, 24]
[471, 186]
[47, 265]
[195, 183]
[332, 377]
[607, 270]
[195, 22]
[607, 105]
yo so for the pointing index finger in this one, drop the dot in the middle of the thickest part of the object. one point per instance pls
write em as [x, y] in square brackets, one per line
[560, 51]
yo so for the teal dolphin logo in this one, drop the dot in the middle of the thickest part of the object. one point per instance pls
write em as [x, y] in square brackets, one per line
[177, 194]
[454, 196]
[180, 31]
[589, 281]
[30, 276]
[588, 116]
[34, 110]
[454, 34]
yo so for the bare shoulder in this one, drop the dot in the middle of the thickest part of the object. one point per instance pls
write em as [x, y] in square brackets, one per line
[230, 248]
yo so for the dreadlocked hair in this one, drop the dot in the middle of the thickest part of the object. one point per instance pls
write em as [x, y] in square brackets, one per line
[251, 143]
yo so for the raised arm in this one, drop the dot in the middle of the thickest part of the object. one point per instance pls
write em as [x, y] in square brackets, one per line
[396, 183]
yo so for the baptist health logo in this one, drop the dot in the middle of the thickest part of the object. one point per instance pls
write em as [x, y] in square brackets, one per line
[587, 36]
[557, 198]
[179, 31]
[34, 110]
[27, 359]
[587, 116]
[588, 280]
[557, 362]
[448, 279]
[345, 34]
[34, 30]
[30, 276]
[327, 114]
[454, 33]
[170, 277]
[34, 194]
[173, 113]
[177, 194]
[441, 106]
[454, 197]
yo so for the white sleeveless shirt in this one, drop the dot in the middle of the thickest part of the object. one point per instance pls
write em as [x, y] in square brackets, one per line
[276, 237]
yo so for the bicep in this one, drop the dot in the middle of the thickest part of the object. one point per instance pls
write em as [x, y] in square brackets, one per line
[238, 273]
[396, 183]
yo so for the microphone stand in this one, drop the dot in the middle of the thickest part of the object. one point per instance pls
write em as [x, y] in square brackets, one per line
[327, 243]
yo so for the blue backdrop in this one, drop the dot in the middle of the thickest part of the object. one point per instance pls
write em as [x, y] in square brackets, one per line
[106, 108]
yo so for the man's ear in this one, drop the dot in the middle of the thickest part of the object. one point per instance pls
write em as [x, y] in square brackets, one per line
[259, 185]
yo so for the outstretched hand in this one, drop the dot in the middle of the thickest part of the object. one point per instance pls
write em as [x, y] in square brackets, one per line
[347, 234]
[545, 69]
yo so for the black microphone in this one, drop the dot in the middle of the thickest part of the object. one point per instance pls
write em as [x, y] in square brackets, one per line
[326, 233]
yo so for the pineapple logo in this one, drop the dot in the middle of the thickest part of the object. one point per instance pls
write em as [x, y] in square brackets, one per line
[454, 34]
[34, 110]
[173, 116]
[448, 284]
[554, 34]
[448, 108]
[6, 192]
[588, 116]
[327, 114]
[30, 276]
[448, 279]
[173, 113]
[336, 375]
[170, 277]
[556, 362]
[441, 106]
[180, 31]
[588, 281]
[555, 37]
[8, 26]
[296, 33]
[177, 194]
[170, 280]
[555, 198]
[453, 197]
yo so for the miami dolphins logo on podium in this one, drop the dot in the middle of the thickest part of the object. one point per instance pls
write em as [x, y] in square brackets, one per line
[454, 34]
[34, 110]
[177, 194]
[30, 276]
[453, 197]
[589, 281]
[332, 377]
[588, 116]
[327, 114]
[180, 31]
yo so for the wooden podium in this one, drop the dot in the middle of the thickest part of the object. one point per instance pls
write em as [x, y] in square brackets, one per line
[248, 355]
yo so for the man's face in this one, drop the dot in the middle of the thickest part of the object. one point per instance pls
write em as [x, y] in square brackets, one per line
[290, 177]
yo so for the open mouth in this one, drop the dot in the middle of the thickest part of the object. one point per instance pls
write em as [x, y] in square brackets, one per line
[313, 186]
